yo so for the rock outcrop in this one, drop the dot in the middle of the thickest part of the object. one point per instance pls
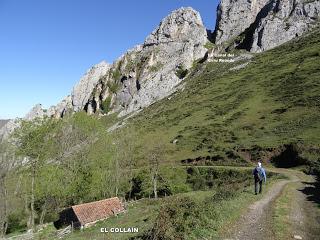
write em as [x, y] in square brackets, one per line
[83, 90]
[141, 76]
[261, 25]
[3, 122]
[285, 20]
[153, 70]
[235, 16]
[156, 68]
[61, 109]
[8, 128]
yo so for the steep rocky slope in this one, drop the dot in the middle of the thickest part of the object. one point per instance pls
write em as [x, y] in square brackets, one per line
[155, 69]
[261, 25]
[3, 122]
[224, 114]
[141, 76]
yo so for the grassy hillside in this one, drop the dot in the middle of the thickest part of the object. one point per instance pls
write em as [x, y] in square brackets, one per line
[274, 101]
[268, 110]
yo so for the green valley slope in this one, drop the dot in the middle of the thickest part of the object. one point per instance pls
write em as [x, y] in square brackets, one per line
[274, 101]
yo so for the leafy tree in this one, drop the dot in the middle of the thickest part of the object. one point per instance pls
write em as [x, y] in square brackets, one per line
[123, 161]
[34, 143]
[155, 154]
[7, 161]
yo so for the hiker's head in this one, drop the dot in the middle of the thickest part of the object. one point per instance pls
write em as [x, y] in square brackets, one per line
[259, 164]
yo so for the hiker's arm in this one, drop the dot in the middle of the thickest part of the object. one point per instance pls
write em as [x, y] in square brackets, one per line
[265, 176]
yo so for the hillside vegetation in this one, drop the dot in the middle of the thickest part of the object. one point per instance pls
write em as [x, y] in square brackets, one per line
[272, 102]
[267, 111]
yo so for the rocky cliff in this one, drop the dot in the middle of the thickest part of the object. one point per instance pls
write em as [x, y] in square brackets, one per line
[153, 70]
[156, 68]
[261, 25]
[3, 123]
[234, 17]
[141, 76]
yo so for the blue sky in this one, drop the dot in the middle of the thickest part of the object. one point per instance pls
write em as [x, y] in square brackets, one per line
[47, 45]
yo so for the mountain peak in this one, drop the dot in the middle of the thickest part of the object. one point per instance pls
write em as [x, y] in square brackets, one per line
[181, 25]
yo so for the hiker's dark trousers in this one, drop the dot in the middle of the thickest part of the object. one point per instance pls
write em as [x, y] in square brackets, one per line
[257, 186]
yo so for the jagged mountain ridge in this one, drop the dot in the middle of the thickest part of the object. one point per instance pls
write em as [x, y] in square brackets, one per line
[143, 74]
[154, 69]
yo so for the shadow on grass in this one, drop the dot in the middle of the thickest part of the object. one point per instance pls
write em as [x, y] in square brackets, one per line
[312, 191]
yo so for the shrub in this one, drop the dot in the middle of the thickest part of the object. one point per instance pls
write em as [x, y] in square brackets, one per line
[182, 72]
[105, 105]
[177, 217]
[209, 45]
[156, 68]
[17, 222]
[116, 75]
[113, 86]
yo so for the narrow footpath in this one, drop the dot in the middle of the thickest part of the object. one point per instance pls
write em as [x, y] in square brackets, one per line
[258, 222]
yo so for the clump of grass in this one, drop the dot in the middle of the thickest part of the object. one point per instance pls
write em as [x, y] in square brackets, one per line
[209, 45]
[181, 72]
[105, 105]
[156, 67]
[113, 87]
[116, 75]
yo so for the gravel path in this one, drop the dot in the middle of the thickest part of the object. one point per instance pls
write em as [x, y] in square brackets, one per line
[305, 218]
[256, 223]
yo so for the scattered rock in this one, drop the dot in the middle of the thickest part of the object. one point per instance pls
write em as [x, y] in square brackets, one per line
[297, 237]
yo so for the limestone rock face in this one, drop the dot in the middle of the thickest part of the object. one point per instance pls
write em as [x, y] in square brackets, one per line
[83, 90]
[234, 16]
[8, 128]
[286, 20]
[181, 25]
[36, 112]
[3, 122]
[61, 109]
[260, 25]
[148, 72]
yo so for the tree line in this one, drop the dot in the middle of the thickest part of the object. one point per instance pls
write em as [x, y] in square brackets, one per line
[50, 164]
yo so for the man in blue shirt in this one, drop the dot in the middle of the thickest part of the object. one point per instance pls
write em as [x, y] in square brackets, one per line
[259, 176]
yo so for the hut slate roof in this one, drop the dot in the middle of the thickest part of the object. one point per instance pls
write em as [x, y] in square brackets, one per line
[95, 211]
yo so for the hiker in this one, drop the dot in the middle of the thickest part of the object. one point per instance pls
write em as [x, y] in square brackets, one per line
[259, 176]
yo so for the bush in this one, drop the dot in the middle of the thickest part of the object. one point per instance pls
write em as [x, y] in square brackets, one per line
[113, 87]
[17, 222]
[142, 187]
[177, 217]
[156, 68]
[116, 75]
[209, 45]
[105, 105]
[181, 72]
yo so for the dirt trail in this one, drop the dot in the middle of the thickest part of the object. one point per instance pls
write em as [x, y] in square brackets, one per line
[257, 222]
[305, 218]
